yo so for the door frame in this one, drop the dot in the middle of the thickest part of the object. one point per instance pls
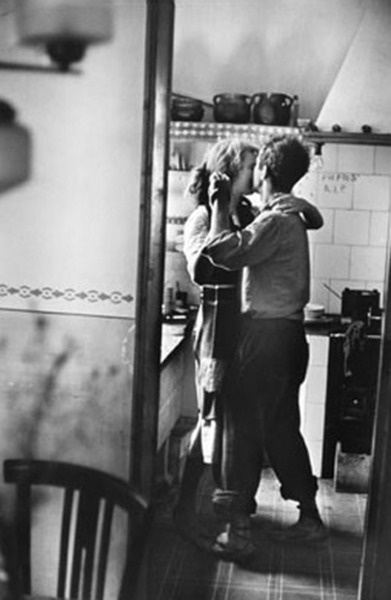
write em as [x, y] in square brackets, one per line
[375, 575]
[152, 232]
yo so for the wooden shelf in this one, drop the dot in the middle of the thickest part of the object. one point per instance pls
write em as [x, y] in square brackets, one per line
[344, 137]
[211, 131]
[186, 130]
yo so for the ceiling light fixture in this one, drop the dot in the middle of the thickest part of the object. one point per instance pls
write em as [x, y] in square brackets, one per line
[64, 27]
[15, 149]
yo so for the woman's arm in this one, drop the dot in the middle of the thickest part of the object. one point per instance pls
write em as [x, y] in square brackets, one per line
[311, 215]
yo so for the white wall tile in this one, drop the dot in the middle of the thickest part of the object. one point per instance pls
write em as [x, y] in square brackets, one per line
[372, 192]
[315, 450]
[307, 187]
[319, 294]
[324, 235]
[379, 228]
[330, 157]
[352, 227]
[335, 190]
[368, 263]
[356, 159]
[383, 160]
[314, 421]
[331, 261]
[319, 348]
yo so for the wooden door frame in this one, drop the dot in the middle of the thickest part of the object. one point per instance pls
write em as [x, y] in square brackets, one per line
[152, 232]
[375, 576]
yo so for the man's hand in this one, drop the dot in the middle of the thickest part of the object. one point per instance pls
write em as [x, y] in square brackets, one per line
[219, 188]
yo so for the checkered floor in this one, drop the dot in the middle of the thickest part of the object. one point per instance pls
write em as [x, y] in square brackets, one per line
[177, 570]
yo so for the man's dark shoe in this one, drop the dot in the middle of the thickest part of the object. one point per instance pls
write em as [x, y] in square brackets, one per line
[305, 530]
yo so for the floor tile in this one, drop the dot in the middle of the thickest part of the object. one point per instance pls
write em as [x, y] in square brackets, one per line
[177, 570]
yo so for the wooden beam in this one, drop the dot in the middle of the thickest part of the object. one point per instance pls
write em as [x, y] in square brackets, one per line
[146, 379]
[375, 577]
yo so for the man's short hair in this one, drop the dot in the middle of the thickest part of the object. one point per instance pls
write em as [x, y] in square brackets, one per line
[286, 160]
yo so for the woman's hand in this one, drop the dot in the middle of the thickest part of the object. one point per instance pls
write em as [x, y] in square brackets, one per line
[219, 188]
[312, 217]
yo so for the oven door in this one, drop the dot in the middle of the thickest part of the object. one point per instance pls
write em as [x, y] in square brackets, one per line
[350, 399]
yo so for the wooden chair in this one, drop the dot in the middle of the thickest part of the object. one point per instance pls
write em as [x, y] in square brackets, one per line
[83, 574]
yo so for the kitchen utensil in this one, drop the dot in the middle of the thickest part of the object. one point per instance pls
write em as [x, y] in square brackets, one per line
[360, 304]
[231, 108]
[330, 289]
[314, 311]
[271, 109]
[186, 109]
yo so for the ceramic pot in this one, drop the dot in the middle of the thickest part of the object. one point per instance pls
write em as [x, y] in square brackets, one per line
[271, 109]
[186, 109]
[231, 108]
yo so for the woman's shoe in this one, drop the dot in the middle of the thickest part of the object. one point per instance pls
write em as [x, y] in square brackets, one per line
[191, 530]
[234, 544]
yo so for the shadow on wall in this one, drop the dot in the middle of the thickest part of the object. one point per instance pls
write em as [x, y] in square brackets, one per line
[55, 404]
[265, 47]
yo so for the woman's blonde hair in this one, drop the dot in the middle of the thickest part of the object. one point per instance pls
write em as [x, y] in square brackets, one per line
[226, 157]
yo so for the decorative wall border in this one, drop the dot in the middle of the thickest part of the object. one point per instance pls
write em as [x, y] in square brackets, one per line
[68, 294]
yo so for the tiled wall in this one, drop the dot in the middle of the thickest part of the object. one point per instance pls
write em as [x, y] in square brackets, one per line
[352, 190]
[313, 399]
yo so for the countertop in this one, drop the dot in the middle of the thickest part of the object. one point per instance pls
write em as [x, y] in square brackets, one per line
[174, 333]
[323, 325]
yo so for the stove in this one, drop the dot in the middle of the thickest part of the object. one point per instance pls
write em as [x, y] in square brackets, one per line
[351, 394]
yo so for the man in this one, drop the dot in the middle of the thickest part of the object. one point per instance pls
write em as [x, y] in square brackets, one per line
[262, 389]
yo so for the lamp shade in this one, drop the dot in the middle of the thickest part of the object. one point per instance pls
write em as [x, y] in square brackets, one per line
[46, 21]
[15, 149]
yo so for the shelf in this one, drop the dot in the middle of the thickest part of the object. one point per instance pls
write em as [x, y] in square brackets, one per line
[344, 137]
[202, 130]
[211, 131]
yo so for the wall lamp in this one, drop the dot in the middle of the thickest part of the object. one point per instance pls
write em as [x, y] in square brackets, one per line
[15, 149]
[317, 158]
[64, 27]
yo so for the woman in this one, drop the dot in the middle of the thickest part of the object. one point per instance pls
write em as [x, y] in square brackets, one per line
[215, 325]
[215, 330]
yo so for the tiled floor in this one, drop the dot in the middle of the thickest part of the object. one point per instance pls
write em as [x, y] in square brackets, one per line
[177, 570]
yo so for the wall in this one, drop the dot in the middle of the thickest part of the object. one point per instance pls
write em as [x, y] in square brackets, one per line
[68, 242]
[69, 239]
[258, 45]
[352, 191]
[70, 233]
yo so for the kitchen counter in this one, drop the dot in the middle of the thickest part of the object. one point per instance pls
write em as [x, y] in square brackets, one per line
[173, 335]
[177, 387]
[323, 325]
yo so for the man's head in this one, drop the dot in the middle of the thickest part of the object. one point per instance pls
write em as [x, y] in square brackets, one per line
[282, 160]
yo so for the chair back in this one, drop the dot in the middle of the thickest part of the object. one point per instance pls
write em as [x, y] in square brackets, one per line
[89, 500]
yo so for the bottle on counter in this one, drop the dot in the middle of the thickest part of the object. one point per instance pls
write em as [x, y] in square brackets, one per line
[169, 302]
[294, 111]
[180, 298]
